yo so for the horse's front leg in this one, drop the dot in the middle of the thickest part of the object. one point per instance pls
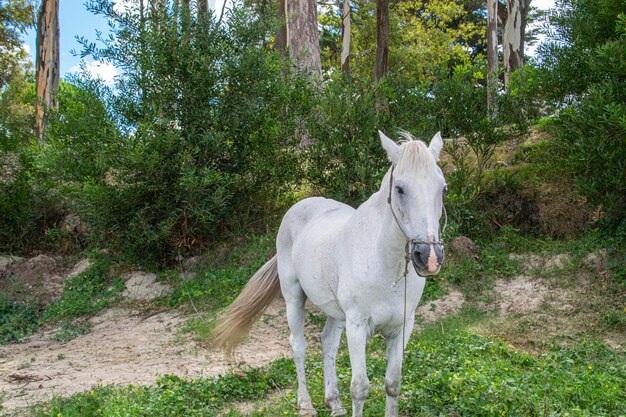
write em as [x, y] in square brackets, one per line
[393, 375]
[357, 333]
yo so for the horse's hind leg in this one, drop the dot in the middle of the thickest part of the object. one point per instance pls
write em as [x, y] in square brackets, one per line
[295, 298]
[331, 336]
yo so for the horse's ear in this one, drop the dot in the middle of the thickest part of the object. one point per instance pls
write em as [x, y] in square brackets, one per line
[436, 144]
[392, 148]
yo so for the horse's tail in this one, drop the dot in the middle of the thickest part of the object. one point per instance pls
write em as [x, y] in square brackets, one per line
[236, 321]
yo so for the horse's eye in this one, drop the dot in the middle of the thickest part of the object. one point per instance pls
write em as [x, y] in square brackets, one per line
[400, 189]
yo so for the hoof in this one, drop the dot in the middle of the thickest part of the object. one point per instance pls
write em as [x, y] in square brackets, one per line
[338, 412]
[307, 410]
[336, 408]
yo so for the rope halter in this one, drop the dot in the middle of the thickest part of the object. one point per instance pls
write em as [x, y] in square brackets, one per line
[407, 255]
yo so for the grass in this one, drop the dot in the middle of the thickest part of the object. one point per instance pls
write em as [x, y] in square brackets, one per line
[17, 320]
[217, 283]
[72, 329]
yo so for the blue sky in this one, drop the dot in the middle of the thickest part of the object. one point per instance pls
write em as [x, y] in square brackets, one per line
[74, 19]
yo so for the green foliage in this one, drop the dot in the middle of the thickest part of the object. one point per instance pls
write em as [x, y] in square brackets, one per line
[17, 320]
[590, 39]
[346, 160]
[86, 293]
[585, 48]
[592, 144]
[427, 37]
[170, 396]
[195, 136]
[16, 16]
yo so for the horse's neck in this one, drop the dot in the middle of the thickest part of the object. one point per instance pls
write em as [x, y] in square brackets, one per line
[387, 239]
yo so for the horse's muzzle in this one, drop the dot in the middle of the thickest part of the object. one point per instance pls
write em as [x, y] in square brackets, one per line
[426, 257]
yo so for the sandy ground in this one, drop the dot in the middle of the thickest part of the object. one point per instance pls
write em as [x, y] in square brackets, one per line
[126, 347]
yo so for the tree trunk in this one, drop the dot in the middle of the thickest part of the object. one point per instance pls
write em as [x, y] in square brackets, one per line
[492, 50]
[345, 38]
[302, 37]
[382, 38]
[513, 36]
[203, 9]
[280, 38]
[47, 63]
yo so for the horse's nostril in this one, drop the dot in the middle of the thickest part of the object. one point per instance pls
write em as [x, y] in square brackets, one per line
[422, 255]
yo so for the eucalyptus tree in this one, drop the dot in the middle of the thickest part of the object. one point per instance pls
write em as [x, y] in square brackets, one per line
[492, 47]
[346, 36]
[513, 35]
[47, 62]
[303, 37]
[382, 39]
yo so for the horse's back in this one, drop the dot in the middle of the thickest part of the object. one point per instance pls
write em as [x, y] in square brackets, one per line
[307, 248]
[310, 213]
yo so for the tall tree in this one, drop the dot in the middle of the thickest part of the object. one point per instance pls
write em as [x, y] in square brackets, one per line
[280, 38]
[492, 48]
[303, 38]
[513, 36]
[346, 36]
[382, 38]
[203, 9]
[47, 72]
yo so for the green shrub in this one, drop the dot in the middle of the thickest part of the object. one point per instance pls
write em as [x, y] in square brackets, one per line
[194, 139]
[591, 141]
[583, 66]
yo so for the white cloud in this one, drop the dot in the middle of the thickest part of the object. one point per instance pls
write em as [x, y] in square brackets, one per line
[124, 6]
[103, 70]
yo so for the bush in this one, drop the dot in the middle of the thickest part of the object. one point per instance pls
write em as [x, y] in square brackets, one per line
[590, 39]
[194, 139]
[592, 144]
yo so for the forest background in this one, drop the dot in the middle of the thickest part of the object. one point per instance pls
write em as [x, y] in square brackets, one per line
[219, 120]
[213, 123]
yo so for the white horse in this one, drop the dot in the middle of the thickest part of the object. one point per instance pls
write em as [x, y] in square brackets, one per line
[348, 262]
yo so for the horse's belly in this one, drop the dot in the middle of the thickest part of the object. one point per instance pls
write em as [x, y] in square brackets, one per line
[315, 258]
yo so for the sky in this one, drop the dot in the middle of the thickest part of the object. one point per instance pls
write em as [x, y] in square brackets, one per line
[75, 20]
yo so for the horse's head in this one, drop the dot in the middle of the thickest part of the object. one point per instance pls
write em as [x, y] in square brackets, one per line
[416, 185]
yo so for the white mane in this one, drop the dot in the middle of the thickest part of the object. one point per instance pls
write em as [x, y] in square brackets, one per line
[415, 157]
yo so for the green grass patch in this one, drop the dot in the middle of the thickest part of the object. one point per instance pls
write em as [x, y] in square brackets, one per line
[87, 293]
[451, 372]
[170, 396]
[72, 329]
[219, 283]
[17, 320]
